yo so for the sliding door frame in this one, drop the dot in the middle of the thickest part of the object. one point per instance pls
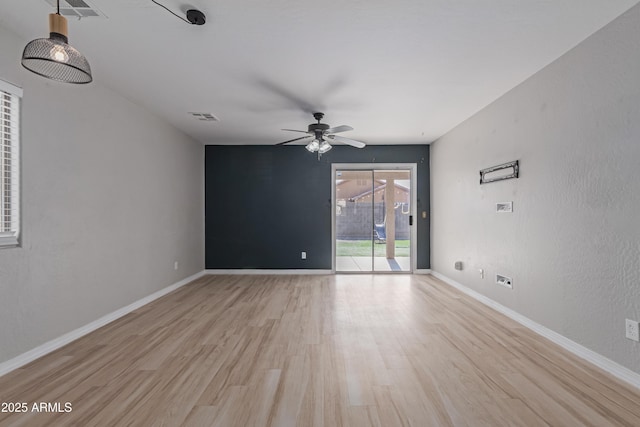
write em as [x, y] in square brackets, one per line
[413, 168]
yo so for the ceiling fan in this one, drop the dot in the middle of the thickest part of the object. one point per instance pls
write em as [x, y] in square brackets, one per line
[323, 135]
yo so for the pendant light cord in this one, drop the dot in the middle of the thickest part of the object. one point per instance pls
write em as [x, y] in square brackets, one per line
[58, 3]
[167, 9]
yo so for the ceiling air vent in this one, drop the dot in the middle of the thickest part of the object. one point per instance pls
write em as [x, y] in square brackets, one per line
[77, 9]
[206, 117]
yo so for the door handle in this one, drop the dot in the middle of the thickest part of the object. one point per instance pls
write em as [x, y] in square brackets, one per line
[410, 219]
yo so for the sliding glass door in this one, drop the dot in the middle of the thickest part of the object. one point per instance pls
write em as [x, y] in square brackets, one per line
[373, 220]
[354, 221]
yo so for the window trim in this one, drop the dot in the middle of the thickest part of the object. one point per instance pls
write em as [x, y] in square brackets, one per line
[12, 238]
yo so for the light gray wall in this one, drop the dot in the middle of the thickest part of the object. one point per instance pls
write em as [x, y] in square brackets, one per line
[572, 244]
[111, 196]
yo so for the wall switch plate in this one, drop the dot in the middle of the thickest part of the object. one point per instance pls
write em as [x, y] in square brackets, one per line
[632, 330]
[481, 271]
[458, 265]
[303, 255]
[175, 265]
[504, 281]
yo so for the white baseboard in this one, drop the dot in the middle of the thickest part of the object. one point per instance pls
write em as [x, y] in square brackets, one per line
[240, 271]
[48, 347]
[608, 365]
[249, 272]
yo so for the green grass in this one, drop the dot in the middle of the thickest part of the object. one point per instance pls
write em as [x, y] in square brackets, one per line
[363, 248]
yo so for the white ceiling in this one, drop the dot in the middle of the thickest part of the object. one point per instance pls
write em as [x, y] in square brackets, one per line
[403, 71]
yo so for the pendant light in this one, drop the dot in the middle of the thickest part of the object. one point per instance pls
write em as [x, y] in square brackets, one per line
[54, 58]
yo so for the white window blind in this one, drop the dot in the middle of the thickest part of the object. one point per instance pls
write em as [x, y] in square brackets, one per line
[9, 164]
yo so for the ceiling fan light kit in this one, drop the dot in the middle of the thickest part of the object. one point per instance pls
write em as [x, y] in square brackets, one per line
[324, 147]
[313, 146]
[323, 135]
[54, 58]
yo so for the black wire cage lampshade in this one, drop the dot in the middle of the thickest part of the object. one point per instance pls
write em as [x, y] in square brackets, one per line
[54, 58]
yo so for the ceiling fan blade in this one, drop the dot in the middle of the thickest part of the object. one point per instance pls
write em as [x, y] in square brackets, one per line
[295, 139]
[342, 128]
[348, 141]
[295, 130]
[289, 97]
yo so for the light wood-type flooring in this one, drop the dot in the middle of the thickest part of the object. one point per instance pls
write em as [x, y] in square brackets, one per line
[345, 350]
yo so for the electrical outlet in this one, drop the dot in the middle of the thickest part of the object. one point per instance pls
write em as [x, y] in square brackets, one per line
[303, 255]
[632, 330]
[175, 265]
[481, 271]
[504, 281]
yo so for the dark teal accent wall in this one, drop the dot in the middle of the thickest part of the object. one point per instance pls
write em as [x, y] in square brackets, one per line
[266, 204]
